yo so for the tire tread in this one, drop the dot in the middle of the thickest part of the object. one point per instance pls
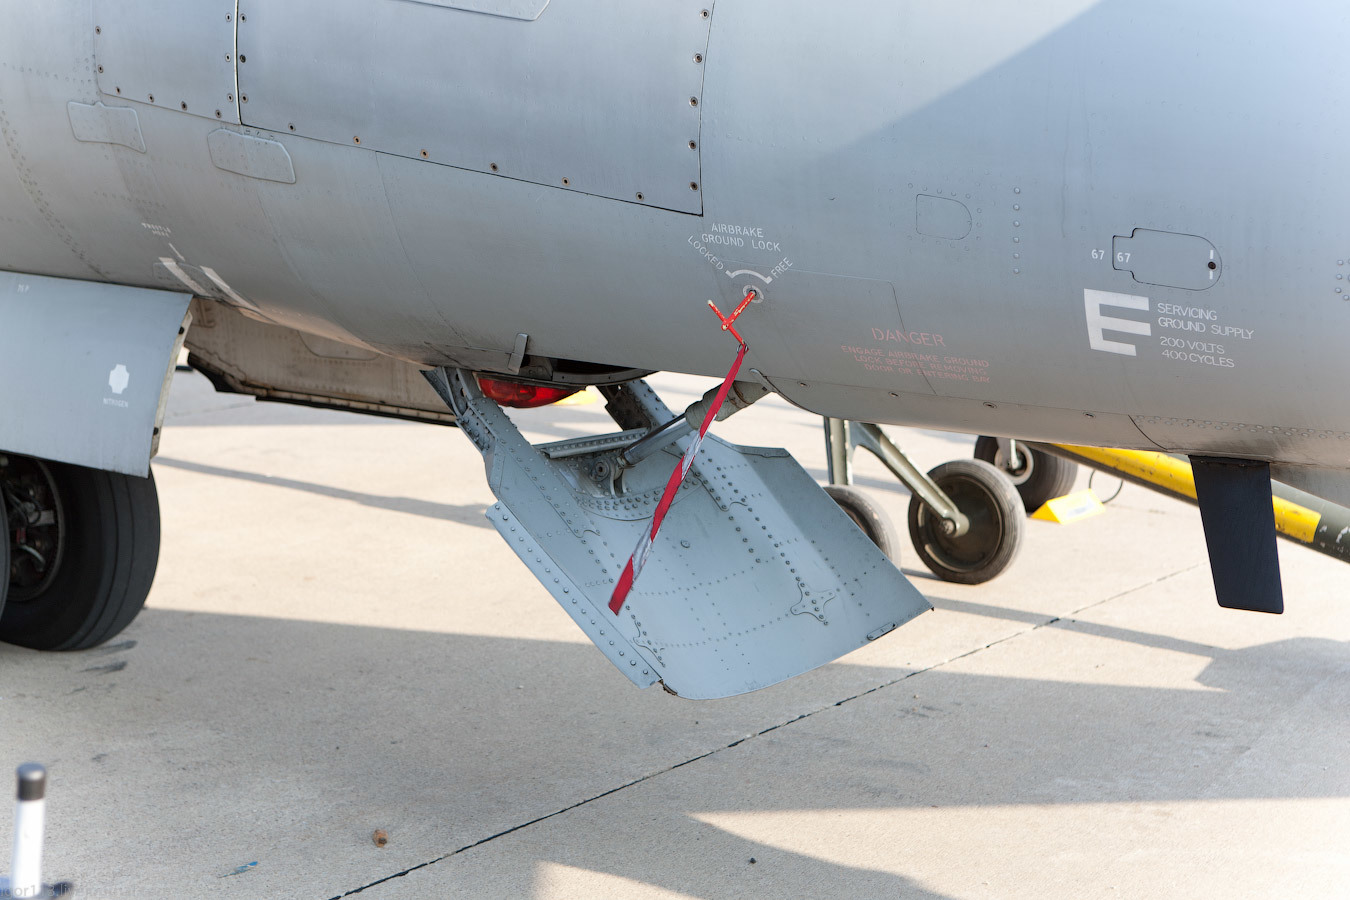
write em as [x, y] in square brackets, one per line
[112, 556]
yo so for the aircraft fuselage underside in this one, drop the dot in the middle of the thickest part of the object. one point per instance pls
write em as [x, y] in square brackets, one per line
[1027, 233]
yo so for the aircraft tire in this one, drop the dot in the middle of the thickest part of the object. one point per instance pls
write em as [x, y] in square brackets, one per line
[4, 552]
[868, 516]
[102, 551]
[997, 521]
[1042, 476]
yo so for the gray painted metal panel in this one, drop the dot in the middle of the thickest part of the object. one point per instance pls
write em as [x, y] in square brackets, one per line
[1024, 116]
[168, 53]
[511, 9]
[597, 96]
[865, 329]
[1330, 485]
[1167, 259]
[99, 124]
[941, 217]
[822, 133]
[756, 575]
[88, 365]
[247, 154]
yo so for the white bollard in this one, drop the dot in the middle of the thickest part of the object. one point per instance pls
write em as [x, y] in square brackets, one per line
[25, 874]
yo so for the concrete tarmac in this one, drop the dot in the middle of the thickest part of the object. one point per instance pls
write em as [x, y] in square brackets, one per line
[338, 642]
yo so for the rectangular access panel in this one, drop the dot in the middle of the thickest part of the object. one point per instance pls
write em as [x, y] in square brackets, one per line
[169, 54]
[597, 96]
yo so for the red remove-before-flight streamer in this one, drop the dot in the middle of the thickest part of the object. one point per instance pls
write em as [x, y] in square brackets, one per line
[644, 545]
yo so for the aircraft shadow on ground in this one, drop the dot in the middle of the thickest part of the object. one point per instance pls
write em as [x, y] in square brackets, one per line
[459, 738]
[463, 514]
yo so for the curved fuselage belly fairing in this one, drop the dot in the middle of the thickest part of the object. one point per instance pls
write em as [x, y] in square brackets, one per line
[1096, 222]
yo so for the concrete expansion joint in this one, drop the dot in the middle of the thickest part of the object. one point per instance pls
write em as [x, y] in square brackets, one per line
[1050, 620]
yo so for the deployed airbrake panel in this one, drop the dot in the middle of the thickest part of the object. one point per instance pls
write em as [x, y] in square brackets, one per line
[91, 364]
[755, 576]
[597, 96]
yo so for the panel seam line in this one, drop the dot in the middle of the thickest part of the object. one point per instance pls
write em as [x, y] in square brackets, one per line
[806, 715]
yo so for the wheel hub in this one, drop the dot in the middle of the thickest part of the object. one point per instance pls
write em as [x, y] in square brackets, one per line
[1020, 473]
[33, 528]
[981, 541]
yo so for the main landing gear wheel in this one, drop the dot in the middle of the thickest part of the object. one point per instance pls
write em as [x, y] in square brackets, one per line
[83, 545]
[4, 552]
[1038, 476]
[984, 495]
[868, 516]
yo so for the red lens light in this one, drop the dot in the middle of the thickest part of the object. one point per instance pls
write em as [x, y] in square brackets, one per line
[522, 396]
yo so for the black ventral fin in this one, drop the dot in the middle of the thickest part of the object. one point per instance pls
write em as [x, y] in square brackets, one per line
[1239, 519]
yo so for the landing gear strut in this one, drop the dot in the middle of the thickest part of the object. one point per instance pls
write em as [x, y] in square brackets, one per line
[80, 551]
[965, 517]
[1037, 475]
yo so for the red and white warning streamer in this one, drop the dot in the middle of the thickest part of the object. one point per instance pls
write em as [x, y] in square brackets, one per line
[644, 544]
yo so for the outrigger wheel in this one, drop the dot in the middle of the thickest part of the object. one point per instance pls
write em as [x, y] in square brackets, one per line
[81, 546]
[1038, 476]
[989, 501]
[868, 516]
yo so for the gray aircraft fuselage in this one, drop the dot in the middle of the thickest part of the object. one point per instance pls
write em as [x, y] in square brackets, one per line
[1117, 223]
